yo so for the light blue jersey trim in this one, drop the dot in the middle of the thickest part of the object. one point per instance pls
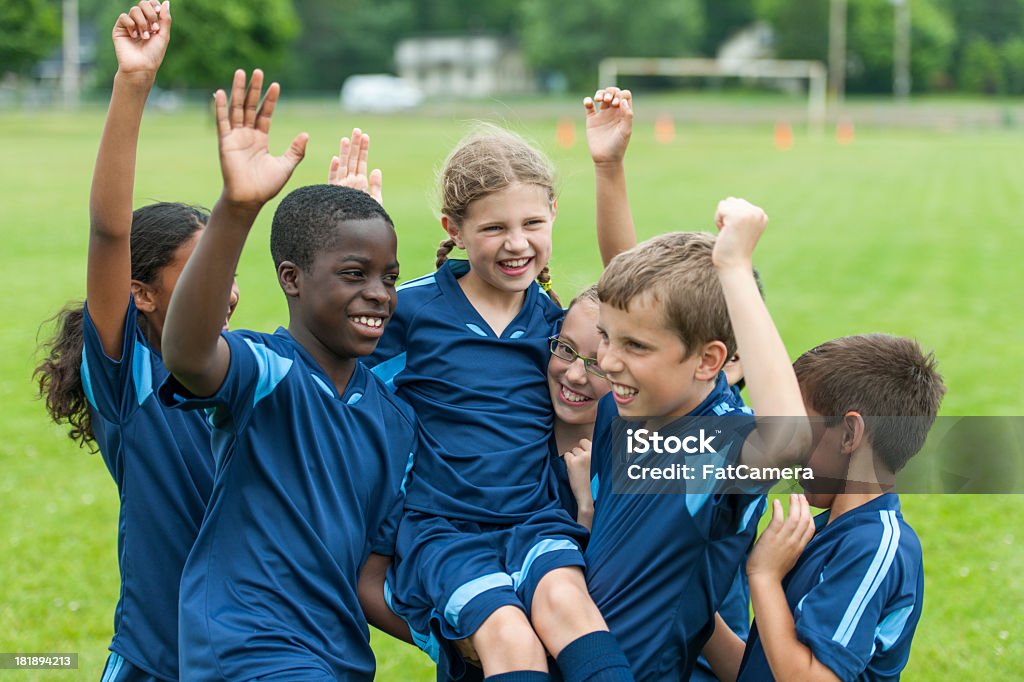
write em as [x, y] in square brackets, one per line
[408, 470]
[87, 380]
[872, 579]
[323, 385]
[142, 372]
[389, 369]
[475, 329]
[891, 627]
[427, 643]
[748, 513]
[469, 591]
[272, 369]
[418, 282]
[595, 486]
[541, 548]
[114, 663]
[516, 334]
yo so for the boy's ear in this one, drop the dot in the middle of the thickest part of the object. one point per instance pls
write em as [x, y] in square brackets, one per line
[144, 296]
[712, 357]
[554, 210]
[288, 276]
[853, 432]
[453, 230]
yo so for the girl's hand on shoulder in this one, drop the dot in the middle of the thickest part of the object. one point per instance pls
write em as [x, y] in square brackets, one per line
[348, 169]
[609, 124]
[780, 545]
[252, 176]
[140, 38]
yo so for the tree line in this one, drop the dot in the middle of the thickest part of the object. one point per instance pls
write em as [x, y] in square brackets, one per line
[975, 46]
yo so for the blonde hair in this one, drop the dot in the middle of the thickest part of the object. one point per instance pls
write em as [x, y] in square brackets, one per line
[675, 269]
[486, 161]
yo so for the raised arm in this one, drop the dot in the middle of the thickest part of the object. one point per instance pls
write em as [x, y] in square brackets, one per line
[140, 40]
[771, 382]
[609, 126]
[193, 349]
[348, 169]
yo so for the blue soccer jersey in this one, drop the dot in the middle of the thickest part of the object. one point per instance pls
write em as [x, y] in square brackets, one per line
[160, 460]
[855, 593]
[482, 400]
[661, 562]
[308, 483]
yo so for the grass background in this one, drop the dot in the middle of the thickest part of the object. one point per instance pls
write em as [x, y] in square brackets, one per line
[907, 232]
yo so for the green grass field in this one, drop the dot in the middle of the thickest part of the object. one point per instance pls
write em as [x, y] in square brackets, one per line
[910, 233]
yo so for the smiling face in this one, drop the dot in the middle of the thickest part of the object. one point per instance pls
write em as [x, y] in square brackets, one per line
[650, 371]
[507, 237]
[344, 301]
[575, 391]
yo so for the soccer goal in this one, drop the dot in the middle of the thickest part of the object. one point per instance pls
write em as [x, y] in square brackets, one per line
[610, 69]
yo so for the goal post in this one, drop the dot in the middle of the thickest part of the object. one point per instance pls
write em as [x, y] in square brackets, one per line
[814, 72]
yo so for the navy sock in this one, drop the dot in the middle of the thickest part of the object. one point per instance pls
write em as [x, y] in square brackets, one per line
[520, 676]
[595, 657]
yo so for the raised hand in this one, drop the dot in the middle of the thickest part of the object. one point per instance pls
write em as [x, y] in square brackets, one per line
[348, 169]
[252, 176]
[609, 124]
[740, 224]
[780, 545]
[140, 37]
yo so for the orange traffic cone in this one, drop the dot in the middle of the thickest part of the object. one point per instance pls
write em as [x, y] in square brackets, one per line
[783, 136]
[844, 131]
[565, 133]
[664, 129]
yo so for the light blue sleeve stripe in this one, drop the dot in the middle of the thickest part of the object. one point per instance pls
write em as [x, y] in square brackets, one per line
[113, 668]
[541, 548]
[389, 369]
[83, 370]
[595, 486]
[272, 369]
[142, 372]
[467, 592]
[891, 627]
[876, 572]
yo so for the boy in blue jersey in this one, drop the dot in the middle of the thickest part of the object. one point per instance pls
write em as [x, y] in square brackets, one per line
[673, 309]
[311, 449]
[839, 596]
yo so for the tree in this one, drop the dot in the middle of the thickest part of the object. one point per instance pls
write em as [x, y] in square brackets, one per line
[572, 37]
[1012, 52]
[722, 19]
[981, 69]
[31, 30]
[338, 39]
[210, 39]
[801, 32]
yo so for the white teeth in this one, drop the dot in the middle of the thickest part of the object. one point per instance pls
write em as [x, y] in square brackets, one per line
[624, 391]
[574, 397]
[369, 321]
[515, 263]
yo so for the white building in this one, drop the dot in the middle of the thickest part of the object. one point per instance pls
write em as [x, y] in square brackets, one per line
[463, 66]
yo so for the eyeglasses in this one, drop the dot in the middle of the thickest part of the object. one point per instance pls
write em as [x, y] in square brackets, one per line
[563, 351]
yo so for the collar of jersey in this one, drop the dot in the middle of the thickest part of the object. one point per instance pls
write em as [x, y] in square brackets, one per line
[356, 384]
[888, 501]
[447, 281]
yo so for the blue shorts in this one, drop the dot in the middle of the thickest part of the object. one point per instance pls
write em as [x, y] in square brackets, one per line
[449, 575]
[119, 669]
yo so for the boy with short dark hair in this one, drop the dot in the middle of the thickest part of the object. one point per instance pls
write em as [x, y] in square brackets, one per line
[839, 596]
[673, 310]
[311, 449]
